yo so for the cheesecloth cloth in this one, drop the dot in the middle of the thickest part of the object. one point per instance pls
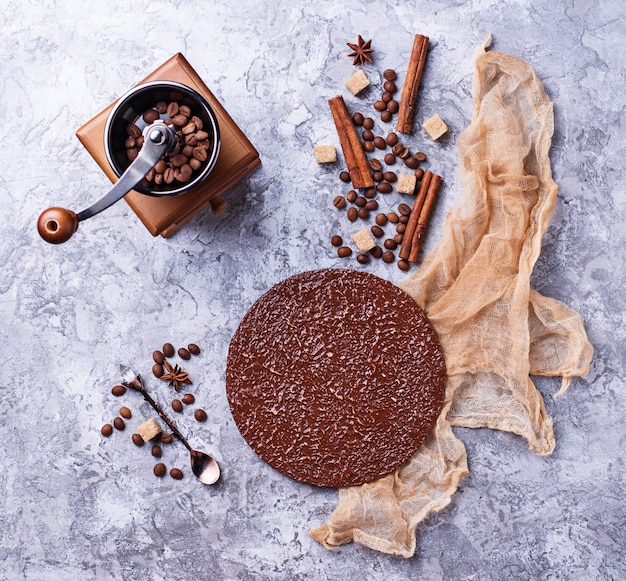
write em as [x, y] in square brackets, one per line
[494, 329]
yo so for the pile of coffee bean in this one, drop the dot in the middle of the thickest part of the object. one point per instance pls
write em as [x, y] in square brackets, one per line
[178, 405]
[192, 150]
[361, 205]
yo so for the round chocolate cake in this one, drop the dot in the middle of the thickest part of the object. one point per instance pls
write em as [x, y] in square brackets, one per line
[335, 377]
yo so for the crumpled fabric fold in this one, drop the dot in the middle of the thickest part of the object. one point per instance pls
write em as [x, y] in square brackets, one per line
[495, 330]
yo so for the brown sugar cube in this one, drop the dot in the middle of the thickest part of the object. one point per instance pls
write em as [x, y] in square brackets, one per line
[406, 183]
[435, 127]
[325, 154]
[149, 429]
[363, 241]
[357, 82]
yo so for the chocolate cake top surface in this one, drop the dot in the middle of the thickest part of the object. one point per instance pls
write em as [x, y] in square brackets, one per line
[335, 377]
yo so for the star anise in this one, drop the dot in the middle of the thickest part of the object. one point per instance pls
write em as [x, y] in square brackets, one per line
[361, 51]
[175, 375]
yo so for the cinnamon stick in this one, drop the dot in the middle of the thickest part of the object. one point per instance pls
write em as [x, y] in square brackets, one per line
[411, 84]
[353, 153]
[411, 225]
[418, 235]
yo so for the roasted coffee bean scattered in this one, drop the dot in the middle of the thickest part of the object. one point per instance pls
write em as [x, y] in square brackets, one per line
[137, 440]
[390, 158]
[119, 424]
[126, 413]
[360, 202]
[386, 116]
[390, 177]
[158, 357]
[176, 473]
[369, 193]
[380, 105]
[391, 139]
[200, 415]
[368, 123]
[377, 231]
[167, 438]
[393, 107]
[157, 370]
[188, 398]
[156, 451]
[388, 256]
[393, 217]
[384, 188]
[386, 97]
[160, 470]
[344, 176]
[389, 74]
[404, 209]
[379, 142]
[357, 119]
[419, 173]
[368, 146]
[381, 219]
[420, 156]
[339, 202]
[118, 390]
[363, 258]
[404, 219]
[177, 405]
[401, 228]
[352, 214]
[106, 430]
[371, 206]
[184, 354]
[367, 135]
[398, 238]
[351, 196]
[336, 240]
[411, 162]
[403, 265]
[168, 350]
[375, 164]
[363, 213]
[376, 252]
[193, 349]
[344, 251]
[390, 86]
[390, 244]
[377, 176]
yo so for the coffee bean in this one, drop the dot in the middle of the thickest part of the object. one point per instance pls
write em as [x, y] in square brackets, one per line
[390, 159]
[367, 135]
[119, 424]
[177, 405]
[388, 256]
[368, 123]
[132, 153]
[172, 109]
[344, 251]
[391, 139]
[133, 130]
[160, 166]
[411, 162]
[137, 440]
[379, 142]
[406, 152]
[160, 469]
[344, 176]
[384, 187]
[380, 105]
[150, 115]
[156, 451]
[167, 438]
[180, 120]
[188, 398]
[193, 349]
[183, 174]
[375, 164]
[168, 176]
[390, 86]
[398, 238]
[376, 252]
[401, 228]
[178, 160]
[158, 357]
[126, 413]
[420, 156]
[404, 209]
[393, 106]
[369, 193]
[351, 196]
[161, 107]
[419, 173]
[360, 202]
[106, 430]
[386, 97]
[393, 217]
[200, 415]
[118, 390]
[189, 128]
[130, 142]
[377, 176]
[352, 214]
[339, 202]
[371, 206]
[362, 258]
[363, 213]
[176, 473]
[390, 176]
[404, 219]
[336, 240]
[381, 219]
[398, 148]
[377, 231]
[403, 265]
[390, 244]
[369, 146]
[184, 354]
[157, 370]
[386, 116]
[168, 350]
[200, 153]
[357, 119]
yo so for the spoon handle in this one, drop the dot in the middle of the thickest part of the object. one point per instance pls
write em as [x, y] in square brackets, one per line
[137, 385]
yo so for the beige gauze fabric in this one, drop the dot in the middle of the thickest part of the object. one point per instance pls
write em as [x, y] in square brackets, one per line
[494, 329]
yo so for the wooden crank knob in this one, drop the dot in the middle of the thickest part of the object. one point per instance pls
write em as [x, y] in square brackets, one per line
[56, 225]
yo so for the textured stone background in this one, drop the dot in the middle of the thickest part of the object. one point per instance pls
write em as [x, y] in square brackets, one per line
[76, 506]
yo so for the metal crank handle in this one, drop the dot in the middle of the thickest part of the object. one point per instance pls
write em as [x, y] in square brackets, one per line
[57, 225]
